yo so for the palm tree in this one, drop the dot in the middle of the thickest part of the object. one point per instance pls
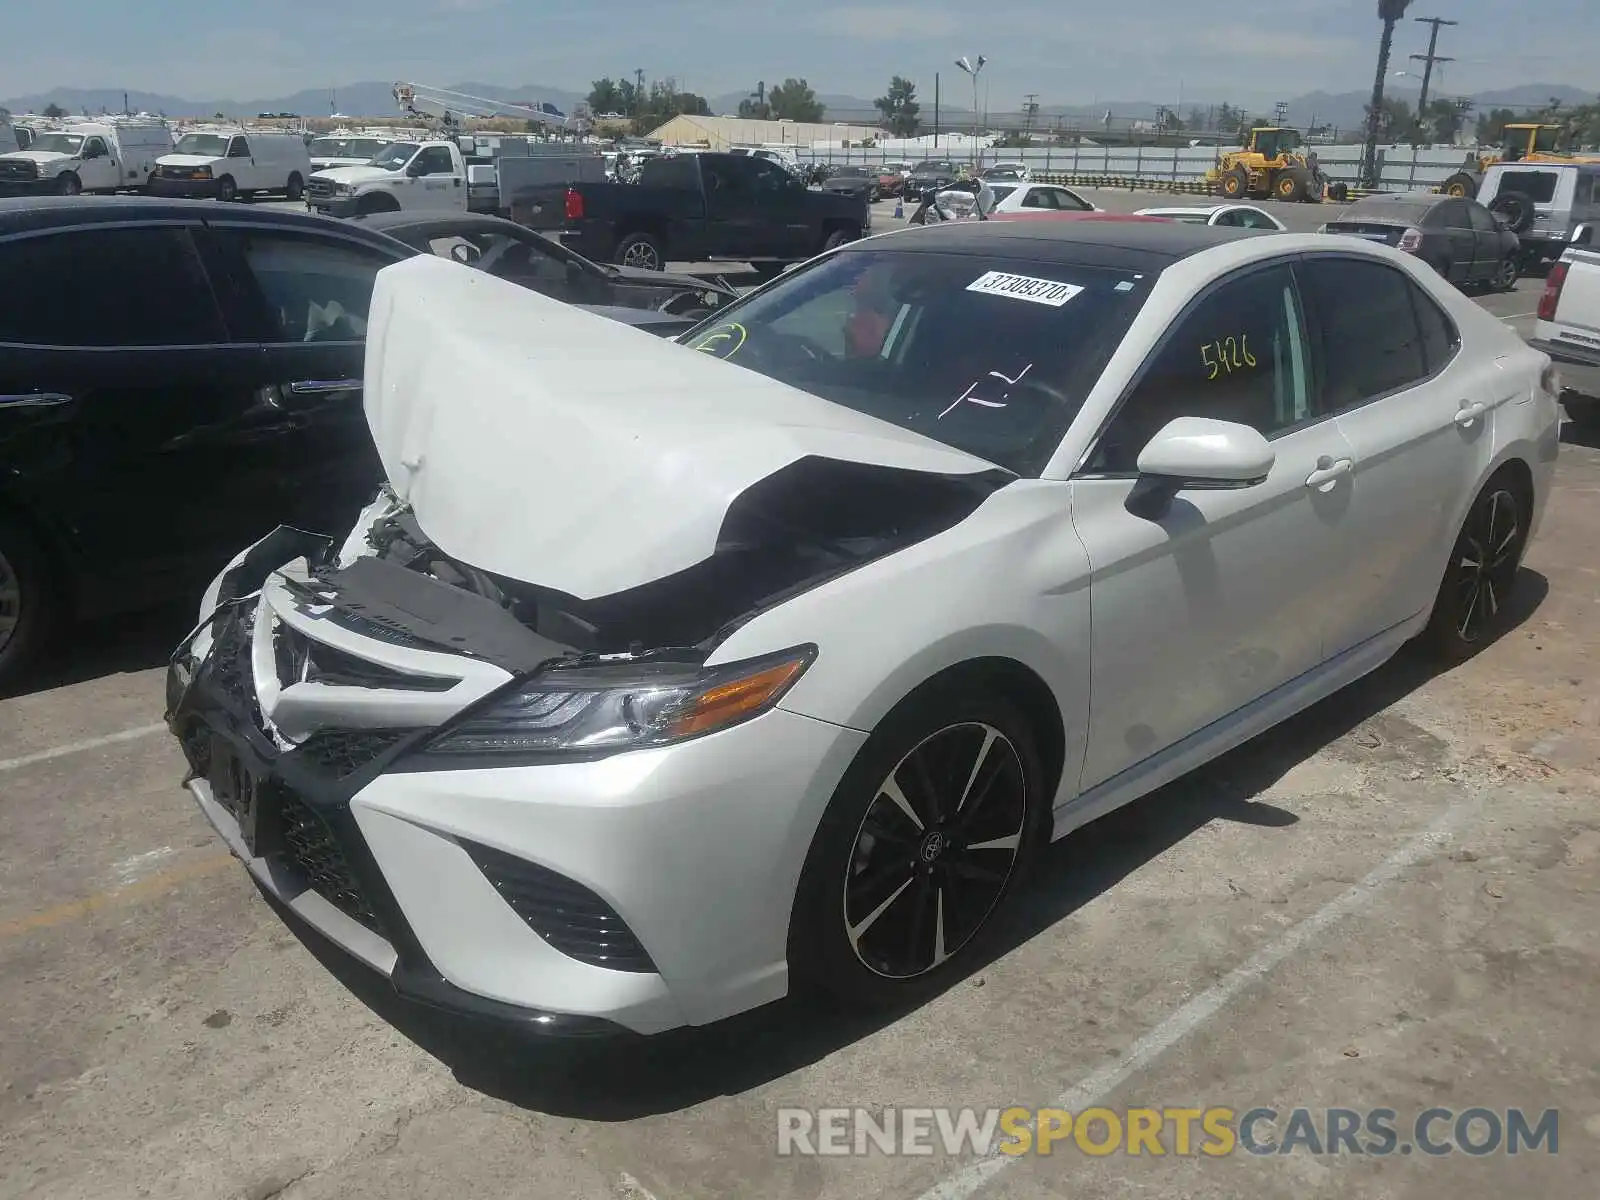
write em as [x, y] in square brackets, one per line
[1389, 12]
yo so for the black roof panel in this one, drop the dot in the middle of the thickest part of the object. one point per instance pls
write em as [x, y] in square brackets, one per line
[1148, 244]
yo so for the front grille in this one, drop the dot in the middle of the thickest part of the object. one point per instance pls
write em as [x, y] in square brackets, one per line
[321, 189]
[18, 172]
[565, 914]
[342, 752]
[302, 659]
[314, 853]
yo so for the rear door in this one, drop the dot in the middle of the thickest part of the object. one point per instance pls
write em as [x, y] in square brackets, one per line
[1487, 251]
[1419, 416]
[302, 297]
[132, 421]
[1455, 246]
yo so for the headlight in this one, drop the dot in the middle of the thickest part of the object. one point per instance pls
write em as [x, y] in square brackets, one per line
[607, 707]
[344, 189]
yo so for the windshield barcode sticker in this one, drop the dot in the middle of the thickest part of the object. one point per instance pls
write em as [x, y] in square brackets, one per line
[1024, 287]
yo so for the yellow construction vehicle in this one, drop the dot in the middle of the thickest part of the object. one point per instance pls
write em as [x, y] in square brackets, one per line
[1523, 143]
[1271, 165]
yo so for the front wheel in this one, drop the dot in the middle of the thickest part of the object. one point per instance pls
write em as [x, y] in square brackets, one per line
[929, 830]
[1235, 183]
[1506, 274]
[1470, 609]
[227, 189]
[28, 608]
[68, 185]
[296, 188]
[839, 237]
[1461, 185]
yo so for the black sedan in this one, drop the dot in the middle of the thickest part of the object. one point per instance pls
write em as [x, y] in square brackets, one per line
[854, 181]
[525, 257]
[1458, 237]
[930, 176]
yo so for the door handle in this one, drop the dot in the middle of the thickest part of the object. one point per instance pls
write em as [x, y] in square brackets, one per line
[1469, 412]
[1329, 473]
[317, 387]
[35, 400]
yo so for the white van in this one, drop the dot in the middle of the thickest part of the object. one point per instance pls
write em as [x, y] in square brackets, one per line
[234, 163]
[86, 156]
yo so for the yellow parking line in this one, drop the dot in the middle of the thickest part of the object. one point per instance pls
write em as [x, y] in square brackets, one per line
[145, 889]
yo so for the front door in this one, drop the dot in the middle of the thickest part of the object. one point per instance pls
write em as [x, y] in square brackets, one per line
[437, 185]
[304, 298]
[1419, 415]
[130, 419]
[783, 228]
[1224, 596]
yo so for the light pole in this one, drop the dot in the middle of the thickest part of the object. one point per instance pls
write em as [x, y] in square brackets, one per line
[972, 69]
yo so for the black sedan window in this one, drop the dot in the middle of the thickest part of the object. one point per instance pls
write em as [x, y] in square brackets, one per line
[991, 355]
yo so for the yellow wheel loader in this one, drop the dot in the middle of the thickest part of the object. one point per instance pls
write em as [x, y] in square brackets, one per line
[1272, 165]
[1523, 143]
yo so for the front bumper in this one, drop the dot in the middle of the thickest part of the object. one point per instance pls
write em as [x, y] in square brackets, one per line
[27, 187]
[694, 850]
[333, 206]
[192, 189]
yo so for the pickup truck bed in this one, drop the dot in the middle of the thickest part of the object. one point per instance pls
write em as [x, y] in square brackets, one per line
[695, 208]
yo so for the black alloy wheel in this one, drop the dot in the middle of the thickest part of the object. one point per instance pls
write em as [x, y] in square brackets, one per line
[935, 850]
[1470, 610]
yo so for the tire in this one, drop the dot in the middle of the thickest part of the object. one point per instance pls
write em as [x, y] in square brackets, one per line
[68, 184]
[1507, 274]
[1290, 186]
[1517, 208]
[1235, 184]
[296, 188]
[227, 189]
[839, 237]
[1461, 184]
[855, 933]
[639, 250]
[30, 607]
[1339, 193]
[1469, 610]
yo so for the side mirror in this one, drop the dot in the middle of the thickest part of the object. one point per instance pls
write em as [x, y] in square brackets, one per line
[1198, 452]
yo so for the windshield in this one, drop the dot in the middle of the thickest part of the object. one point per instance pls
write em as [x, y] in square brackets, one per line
[336, 147]
[933, 168]
[1387, 213]
[858, 172]
[989, 354]
[208, 145]
[394, 156]
[58, 143]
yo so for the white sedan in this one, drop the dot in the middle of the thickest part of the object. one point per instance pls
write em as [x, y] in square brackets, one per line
[661, 681]
[1011, 196]
[1228, 216]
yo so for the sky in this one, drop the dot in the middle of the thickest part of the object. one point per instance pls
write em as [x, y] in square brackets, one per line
[1155, 50]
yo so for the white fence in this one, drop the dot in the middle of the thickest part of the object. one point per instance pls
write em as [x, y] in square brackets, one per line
[1400, 167]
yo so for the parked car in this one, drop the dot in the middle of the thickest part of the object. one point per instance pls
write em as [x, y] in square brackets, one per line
[1025, 197]
[1008, 170]
[338, 150]
[1458, 237]
[1543, 203]
[1568, 329]
[699, 207]
[850, 180]
[426, 177]
[930, 175]
[691, 679]
[1228, 216]
[232, 164]
[516, 253]
[90, 156]
[892, 178]
[244, 383]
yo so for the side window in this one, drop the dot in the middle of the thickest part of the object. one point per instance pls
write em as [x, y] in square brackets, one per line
[1371, 342]
[770, 177]
[1251, 219]
[1070, 201]
[90, 299]
[1039, 198]
[95, 148]
[1229, 219]
[1440, 340]
[435, 160]
[1584, 189]
[238, 148]
[1240, 355]
[1452, 214]
[314, 290]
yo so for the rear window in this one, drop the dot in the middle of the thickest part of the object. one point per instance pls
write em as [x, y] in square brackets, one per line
[991, 355]
[1538, 186]
[1389, 212]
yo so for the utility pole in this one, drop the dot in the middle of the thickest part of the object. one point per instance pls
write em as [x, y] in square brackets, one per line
[1429, 59]
[936, 110]
[1030, 109]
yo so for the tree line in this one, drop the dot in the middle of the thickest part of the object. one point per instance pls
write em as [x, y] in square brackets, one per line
[647, 107]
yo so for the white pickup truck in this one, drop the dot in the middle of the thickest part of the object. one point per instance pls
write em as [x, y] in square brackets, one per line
[420, 176]
[1569, 325]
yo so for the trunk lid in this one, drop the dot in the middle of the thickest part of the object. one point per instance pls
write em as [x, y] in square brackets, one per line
[1382, 232]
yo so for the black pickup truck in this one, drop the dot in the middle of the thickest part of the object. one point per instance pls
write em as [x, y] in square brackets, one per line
[697, 208]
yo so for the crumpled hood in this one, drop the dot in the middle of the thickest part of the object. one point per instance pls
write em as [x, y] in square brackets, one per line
[355, 174]
[557, 447]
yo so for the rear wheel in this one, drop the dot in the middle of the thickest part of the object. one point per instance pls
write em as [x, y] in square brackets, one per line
[29, 607]
[639, 250]
[927, 834]
[1470, 610]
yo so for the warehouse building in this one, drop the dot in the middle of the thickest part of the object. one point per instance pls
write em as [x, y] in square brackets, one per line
[719, 133]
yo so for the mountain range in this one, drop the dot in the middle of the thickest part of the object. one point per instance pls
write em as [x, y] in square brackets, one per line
[372, 99]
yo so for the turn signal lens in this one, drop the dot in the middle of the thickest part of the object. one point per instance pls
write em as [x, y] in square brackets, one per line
[1411, 241]
[740, 698]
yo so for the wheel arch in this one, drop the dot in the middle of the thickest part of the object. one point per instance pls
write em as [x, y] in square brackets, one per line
[53, 545]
